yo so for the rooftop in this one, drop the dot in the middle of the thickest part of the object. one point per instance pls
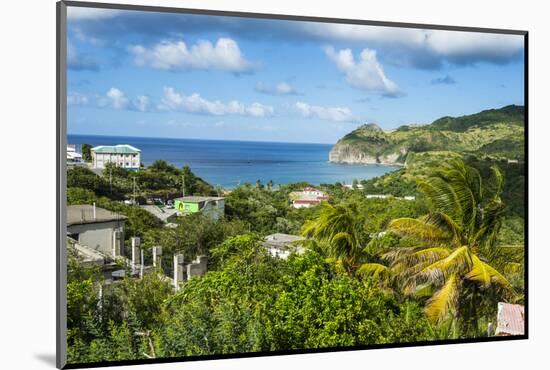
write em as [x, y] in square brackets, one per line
[84, 214]
[198, 199]
[510, 319]
[279, 240]
[309, 188]
[117, 149]
[308, 201]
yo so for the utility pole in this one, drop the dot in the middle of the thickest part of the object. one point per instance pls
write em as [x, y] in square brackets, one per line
[183, 185]
[111, 179]
[134, 179]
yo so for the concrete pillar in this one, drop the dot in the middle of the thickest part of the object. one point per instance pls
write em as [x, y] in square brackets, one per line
[203, 261]
[136, 254]
[197, 267]
[178, 270]
[118, 244]
[157, 255]
[141, 265]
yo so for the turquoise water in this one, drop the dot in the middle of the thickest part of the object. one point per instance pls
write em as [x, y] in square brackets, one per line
[229, 163]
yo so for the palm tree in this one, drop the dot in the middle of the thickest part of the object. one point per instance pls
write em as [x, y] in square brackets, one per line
[338, 232]
[453, 244]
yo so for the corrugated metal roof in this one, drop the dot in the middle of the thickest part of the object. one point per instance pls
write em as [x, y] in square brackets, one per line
[116, 149]
[510, 319]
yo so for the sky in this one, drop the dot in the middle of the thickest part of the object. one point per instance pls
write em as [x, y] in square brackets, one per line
[149, 74]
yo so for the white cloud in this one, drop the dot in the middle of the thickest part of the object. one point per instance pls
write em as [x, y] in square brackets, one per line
[456, 47]
[366, 73]
[225, 55]
[336, 114]
[117, 99]
[78, 62]
[462, 45]
[282, 88]
[81, 13]
[194, 103]
[74, 98]
[141, 103]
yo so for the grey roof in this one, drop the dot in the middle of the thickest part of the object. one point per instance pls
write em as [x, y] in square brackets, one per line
[84, 214]
[279, 240]
[163, 214]
[198, 199]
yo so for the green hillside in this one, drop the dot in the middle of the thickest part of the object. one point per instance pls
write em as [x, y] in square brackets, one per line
[493, 134]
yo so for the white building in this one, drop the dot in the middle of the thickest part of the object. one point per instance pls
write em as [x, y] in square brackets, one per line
[312, 192]
[350, 186]
[73, 157]
[308, 197]
[125, 156]
[282, 245]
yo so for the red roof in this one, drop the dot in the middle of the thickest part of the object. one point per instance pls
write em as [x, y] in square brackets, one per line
[510, 319]
[307, 201]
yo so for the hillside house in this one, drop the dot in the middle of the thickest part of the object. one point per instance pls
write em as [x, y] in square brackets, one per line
[308, 197]
[96, 228]
[211, 207]
[282, 245]
[73, 157]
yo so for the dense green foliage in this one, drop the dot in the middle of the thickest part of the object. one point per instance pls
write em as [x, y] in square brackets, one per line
[266, 211]
[86, 152]
[251, 302]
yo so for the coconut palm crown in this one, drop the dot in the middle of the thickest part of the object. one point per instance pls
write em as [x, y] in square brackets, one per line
[453, 243]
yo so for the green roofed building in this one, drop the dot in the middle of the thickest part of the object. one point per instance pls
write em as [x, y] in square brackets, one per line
[212, 207]
[124, 155]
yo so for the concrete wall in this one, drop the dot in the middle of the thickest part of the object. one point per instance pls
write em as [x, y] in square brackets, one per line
[97, 236]
[214, 209]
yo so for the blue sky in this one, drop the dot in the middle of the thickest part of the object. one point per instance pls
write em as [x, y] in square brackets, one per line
[147, 74]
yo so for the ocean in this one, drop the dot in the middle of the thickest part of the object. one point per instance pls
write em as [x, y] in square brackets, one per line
[230, 163]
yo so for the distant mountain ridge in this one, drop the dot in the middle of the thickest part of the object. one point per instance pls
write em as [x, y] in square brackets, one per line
[497, 133]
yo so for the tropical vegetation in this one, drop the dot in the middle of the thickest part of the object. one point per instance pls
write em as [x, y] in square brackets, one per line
[428, 261]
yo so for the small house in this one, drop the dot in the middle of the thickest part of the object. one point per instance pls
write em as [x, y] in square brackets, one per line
[308, 197]
[96, 228]
[74, 158]
[211, 207]
[282, 245]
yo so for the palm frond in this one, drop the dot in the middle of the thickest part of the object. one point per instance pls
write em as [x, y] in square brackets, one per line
[441, 196]
[486, 275]
[458, 262]
[446, 222]
[416, 228]
[443, 303]
[376, 271]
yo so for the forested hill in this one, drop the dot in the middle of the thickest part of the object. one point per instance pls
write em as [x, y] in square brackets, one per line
[493, 133]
